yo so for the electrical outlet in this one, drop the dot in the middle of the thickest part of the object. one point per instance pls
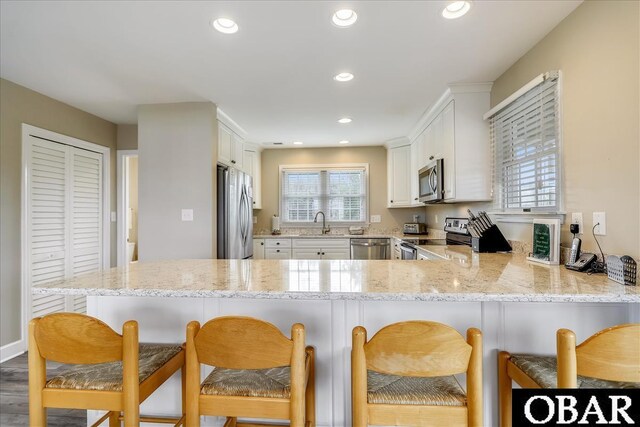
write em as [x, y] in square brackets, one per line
[376, 218]
[576, 218]
[187, 214]
[255, 219]
[436, 219]
[601, 219]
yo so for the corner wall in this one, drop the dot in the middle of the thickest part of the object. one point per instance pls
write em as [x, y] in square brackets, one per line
[597, 48]
[18, 105]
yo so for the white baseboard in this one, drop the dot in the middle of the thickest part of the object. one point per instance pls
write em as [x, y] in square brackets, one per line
[11, 350]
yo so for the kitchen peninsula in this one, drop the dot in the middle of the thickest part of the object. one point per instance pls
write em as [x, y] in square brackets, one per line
[517, 304]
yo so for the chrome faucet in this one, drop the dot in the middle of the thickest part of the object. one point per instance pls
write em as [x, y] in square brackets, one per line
[325, 228]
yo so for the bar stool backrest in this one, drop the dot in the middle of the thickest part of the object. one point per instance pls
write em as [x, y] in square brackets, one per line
[244, 343]
[419, 349]
[611, 354]
[77, 339]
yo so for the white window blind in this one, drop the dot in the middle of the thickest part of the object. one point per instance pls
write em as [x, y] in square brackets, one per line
[341, 193]
[525, 140]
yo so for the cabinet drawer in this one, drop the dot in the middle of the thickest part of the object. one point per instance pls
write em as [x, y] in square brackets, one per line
[301, 253]
[325, 243]
[283, 253]
[336, 253]
[277, 243]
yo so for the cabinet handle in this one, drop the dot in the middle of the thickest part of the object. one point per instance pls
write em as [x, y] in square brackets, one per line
[391, 201]
[277, 243]
[430, 157]
[415, 198]
[318, 253]
[233, 161]
[261, 243]
[277, 250]
[255, 202]
[322, 253]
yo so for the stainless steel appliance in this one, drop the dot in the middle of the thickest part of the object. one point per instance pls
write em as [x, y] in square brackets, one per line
[414, 228]
[235, 214]
[370, 249]
[457, 234]
[431, 182]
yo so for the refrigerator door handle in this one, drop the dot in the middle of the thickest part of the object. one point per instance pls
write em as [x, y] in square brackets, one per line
[241, 216]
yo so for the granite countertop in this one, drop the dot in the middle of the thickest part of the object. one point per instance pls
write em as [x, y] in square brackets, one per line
[344, 236]
[462, 276]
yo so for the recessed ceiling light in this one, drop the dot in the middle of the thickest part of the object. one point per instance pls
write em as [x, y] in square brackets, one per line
[345, 120]
[343, 77]
[225, 25]
[297, 142]
[344, 142]
[455, 9]
[344, 18]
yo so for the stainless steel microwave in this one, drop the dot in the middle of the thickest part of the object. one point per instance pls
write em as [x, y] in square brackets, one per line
[431, 182]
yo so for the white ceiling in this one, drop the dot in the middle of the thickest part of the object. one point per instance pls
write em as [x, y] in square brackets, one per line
[273, 77]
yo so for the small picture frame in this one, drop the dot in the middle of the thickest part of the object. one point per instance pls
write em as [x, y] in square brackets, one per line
[546, 241]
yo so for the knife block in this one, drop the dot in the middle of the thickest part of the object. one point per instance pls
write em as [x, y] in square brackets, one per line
[491, 240]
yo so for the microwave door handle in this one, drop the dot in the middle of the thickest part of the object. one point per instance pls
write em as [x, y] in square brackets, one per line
[433, 180]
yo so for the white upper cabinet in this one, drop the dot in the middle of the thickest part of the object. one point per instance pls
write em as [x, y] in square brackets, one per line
[399, 173]
[230, 142]
[454, 130]
[251, 161]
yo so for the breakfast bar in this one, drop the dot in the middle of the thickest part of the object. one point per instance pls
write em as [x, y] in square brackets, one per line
[518, 306]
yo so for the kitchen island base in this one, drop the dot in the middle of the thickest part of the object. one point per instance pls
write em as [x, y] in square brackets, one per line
[512, 326]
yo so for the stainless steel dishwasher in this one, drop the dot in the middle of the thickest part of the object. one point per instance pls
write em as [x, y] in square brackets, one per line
[370, 249]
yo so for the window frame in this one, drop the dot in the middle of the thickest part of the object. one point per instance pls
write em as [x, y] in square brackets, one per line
[527, 214]
[320, 168]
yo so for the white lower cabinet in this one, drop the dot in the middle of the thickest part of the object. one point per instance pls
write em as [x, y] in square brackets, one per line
[325, 248]
[397, 253]
[272, 253]
[258, 248]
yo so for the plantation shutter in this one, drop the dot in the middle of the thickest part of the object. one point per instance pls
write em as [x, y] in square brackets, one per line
[525, 140]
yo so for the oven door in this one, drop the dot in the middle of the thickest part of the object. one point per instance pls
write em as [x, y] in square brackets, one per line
[431, 182]
[408, 252]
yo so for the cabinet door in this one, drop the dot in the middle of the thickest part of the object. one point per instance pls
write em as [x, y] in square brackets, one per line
[283, 253]
[251, 163]
[335, 253]
[413, 178]
[225, 142]
[258, 248]
[447, 147]
[421, 154]
[398, 176]
[237, 152]
[306, 253]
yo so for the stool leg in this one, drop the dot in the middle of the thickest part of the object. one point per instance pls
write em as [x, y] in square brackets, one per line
[504, 389]
[37, 380]
[114, 419]
[310, 395]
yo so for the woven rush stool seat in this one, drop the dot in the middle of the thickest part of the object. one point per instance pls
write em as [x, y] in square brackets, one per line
[110, 372]
[607, 359]
[108, 376]
[544, 371]
[258, 372]
[273, 382]
[401, 390]
[405, 375]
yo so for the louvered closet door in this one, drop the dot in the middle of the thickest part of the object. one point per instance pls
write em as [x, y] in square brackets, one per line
[86, 217]
[47, 167]
[65, 219]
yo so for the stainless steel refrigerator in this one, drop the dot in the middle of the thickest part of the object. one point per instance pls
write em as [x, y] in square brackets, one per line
[235, 214]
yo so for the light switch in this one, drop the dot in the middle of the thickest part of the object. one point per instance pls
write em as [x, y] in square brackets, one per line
[187, 214]
[376, 218]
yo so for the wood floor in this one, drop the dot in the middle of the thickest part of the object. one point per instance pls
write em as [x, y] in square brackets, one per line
[14, 399]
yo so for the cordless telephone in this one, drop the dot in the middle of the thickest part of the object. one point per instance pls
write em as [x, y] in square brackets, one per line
[578, 261]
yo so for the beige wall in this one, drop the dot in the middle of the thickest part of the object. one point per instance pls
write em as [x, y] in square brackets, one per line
[375, 156]
[133, 203]
[597, 49]
[127, 137]
[21, 105]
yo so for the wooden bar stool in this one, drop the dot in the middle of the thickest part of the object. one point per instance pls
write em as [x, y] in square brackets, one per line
[114, 373]
[607, 359]
[259, 372]
[404, 375]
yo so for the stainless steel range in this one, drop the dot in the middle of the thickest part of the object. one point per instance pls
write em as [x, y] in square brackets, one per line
[457, 234]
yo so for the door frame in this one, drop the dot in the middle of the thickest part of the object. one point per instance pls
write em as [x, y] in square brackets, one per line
[122, 186]
[29, 130]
